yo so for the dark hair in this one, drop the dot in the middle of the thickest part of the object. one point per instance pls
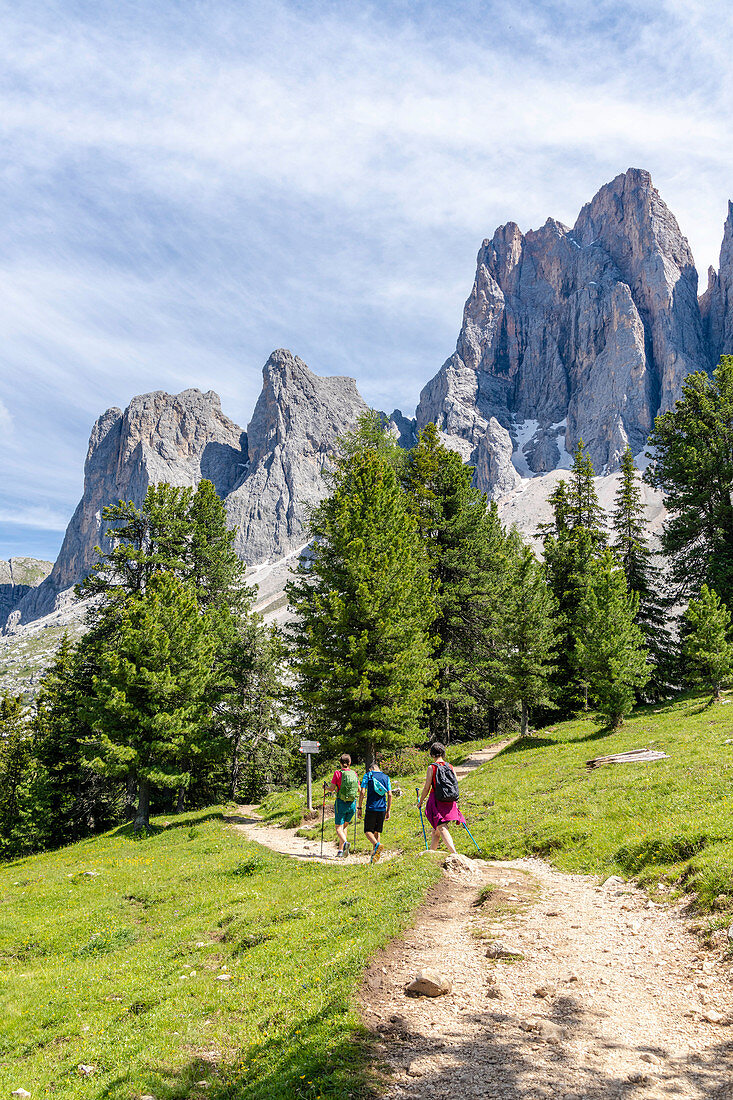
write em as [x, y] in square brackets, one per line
[437, 750]
[345, 759]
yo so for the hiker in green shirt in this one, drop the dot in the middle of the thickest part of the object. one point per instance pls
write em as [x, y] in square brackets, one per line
[345, 783]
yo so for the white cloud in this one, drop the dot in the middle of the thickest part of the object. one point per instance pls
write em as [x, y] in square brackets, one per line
[185, 187]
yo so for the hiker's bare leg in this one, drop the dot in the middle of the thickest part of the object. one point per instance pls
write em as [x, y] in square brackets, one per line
[435, 839]
[373, 838]
[445, 833]
[341, 834]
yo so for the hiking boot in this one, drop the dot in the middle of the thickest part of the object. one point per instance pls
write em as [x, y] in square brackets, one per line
[340, 854]
[376, 854]
[347, 849]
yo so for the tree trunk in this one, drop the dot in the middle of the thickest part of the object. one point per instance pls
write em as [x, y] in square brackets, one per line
[585, 696]
[525, 720]
[234, 772]
[130, 796]
[142, 816]
[716, 692]
[447, 722]
[181, 799]
[370, 756]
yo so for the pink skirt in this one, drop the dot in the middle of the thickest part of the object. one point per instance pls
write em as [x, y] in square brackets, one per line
[442, 813]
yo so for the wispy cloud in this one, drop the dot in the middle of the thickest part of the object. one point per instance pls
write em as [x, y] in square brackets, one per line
[186, 187]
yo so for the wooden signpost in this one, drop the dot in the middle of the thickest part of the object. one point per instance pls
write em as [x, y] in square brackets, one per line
[309, 747]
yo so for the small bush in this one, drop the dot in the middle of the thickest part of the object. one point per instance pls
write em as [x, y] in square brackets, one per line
[247, 867]
[100, 943]
[409, 761]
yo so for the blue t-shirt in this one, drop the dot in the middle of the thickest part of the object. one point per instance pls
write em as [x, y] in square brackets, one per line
[375, 801]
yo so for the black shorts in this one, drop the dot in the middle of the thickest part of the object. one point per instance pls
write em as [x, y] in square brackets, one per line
[374, 821]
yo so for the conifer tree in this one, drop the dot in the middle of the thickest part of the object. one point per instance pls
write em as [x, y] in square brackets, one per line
[363, 606]
[524, 662]
[707, 650]
[75, 800]
[642, 576]
[573, 548]
[609, 646]
[469, 561]
[692, 463]
[17, 827]
[150, 706]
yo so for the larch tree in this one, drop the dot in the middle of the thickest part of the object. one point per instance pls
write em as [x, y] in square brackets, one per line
[707, 650]
[692, 448]
[609, 646]
[150, 708]
[363, 604]
[643, 576]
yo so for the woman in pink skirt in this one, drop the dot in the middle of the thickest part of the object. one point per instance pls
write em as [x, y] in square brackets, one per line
[438, 812]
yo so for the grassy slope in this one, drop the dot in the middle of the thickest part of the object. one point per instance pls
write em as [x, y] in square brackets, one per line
[669, 821]
[105, 970]
[118, 970]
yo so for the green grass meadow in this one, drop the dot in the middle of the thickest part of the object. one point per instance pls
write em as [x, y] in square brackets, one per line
[121, 970]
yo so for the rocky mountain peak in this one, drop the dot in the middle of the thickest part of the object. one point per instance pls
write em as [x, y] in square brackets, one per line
[575, 332]
[178, 438]
[291, 436]
[716, 304]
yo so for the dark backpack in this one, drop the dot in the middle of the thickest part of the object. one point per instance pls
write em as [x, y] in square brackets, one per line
[445, 783]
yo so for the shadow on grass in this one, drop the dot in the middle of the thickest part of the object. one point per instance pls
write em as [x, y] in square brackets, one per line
[321, 1055]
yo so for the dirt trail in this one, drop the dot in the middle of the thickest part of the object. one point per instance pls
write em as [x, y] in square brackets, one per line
[285, 841]
[608, 999]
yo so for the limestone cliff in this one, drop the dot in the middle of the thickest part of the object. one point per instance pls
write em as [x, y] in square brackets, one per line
[717, 301]
[291, 435]
[159, 437]
[567, 333]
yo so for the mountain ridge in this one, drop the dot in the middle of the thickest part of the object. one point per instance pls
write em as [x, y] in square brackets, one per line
[567, 332]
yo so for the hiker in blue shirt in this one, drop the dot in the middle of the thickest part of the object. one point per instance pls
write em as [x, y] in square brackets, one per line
[378, 789]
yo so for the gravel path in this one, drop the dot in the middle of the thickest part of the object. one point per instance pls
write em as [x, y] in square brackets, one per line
[609, 998]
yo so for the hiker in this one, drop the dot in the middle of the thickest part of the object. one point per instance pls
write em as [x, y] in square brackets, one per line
[378, 790]
[441, 791]
[345, 783]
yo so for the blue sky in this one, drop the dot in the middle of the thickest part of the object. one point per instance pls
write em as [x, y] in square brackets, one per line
[186, 186]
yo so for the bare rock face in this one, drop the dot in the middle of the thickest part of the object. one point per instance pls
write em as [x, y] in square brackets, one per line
[716, 303]
[159, 437]
[575, 332]
[291, 436]
[18, 577]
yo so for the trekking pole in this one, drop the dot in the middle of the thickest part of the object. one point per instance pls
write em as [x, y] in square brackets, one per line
[356, 815]
[465, 826]
[417, 792]
[323, 817]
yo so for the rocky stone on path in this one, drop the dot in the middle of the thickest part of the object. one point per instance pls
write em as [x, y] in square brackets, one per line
[712, 1016]
[86, 1071]
[460, 866]
[500, 991]
[23, 1094]
[497, 950]
[547, 990]
[545, 1029]
[428, 983]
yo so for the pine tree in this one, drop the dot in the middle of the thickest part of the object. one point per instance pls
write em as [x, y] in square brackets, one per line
[76, 800]
[469, 554]
[363, 606]
[573, 546]
[609, 646]
[582, 508]
[692, 463]
[17, 828]
[707, 650]
[524, 663]
[642, 576]
[150, 707]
